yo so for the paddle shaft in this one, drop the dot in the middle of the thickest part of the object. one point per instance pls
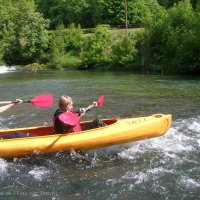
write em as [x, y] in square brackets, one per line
[9, 102]
[99, 103]
[89, 107]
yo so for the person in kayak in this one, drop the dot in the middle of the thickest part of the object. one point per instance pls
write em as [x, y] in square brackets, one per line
[9, 106]
[66, 119]
[15, 134]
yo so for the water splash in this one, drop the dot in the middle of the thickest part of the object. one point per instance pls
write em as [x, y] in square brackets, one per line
[5, 69]
[39, 173]
[3, 167]
[195, 125]
[189, 182]
[181, 137]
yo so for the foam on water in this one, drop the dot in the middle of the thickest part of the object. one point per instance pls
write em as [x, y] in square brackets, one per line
[1, 123]
[195, 126]
[3, 167]
[155, 160]
[4, 69]
[8, 120]
[189, 182]
[39, 173]
[181, 137]
[198, 142]
[139, 177]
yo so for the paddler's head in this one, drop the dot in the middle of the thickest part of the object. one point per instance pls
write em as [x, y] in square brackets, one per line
[65, 102]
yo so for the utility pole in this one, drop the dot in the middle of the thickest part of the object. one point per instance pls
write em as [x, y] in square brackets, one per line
[126, 20]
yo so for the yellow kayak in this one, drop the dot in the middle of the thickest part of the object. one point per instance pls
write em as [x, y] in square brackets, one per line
[117, 131]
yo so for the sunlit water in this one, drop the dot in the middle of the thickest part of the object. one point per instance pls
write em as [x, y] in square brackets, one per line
[4, 69]
[160, 168]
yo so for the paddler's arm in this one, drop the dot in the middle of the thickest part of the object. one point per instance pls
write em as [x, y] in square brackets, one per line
[82, 111]
[9, 106]
[94, 104]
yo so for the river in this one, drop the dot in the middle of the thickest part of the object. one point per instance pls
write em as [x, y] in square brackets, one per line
[160, 168]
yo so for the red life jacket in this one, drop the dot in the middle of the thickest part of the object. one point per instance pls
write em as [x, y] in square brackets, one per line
[66, 121]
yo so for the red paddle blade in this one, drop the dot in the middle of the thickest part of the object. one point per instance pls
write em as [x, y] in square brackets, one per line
[44, 100]
[100, 101]
[69, 118]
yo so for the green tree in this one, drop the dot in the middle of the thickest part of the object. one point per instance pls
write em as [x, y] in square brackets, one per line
[168, 3]
[66, 12]
[30, 39]
[124, 52]
[173, 40]
[64, 48]
[23, 32]
[113, 12]
[110, 12]
[73, 38]
[96, 48]
[140, 10]
[196, 5]
[6, 25]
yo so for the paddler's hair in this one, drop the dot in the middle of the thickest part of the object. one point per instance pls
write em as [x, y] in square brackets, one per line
[64, 101]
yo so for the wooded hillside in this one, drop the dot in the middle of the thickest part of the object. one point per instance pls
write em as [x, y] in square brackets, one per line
[88, 34]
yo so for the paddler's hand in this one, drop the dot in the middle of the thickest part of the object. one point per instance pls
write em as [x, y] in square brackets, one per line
[82, 111]
[95, 103]
[18, 101]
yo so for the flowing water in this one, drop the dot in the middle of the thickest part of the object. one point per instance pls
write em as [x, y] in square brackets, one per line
[167, 167]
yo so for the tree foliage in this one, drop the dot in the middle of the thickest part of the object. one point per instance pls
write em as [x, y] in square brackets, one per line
[66, 12]
[23, 34]
[173, 42]
[96, 48]
[168, 3]
[89, 13]
[124, 51]
[65, 46]
[168, 40]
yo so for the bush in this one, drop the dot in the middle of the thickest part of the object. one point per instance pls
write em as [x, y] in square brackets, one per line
[96, 48]
[35, 67]
[124, 51]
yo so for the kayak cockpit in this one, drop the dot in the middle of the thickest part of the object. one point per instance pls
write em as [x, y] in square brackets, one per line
[46, 130]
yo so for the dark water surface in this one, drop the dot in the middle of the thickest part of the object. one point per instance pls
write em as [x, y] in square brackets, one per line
[167, 167]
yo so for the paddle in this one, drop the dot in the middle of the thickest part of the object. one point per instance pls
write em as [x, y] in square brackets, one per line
[100, 102]
[44, 100]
